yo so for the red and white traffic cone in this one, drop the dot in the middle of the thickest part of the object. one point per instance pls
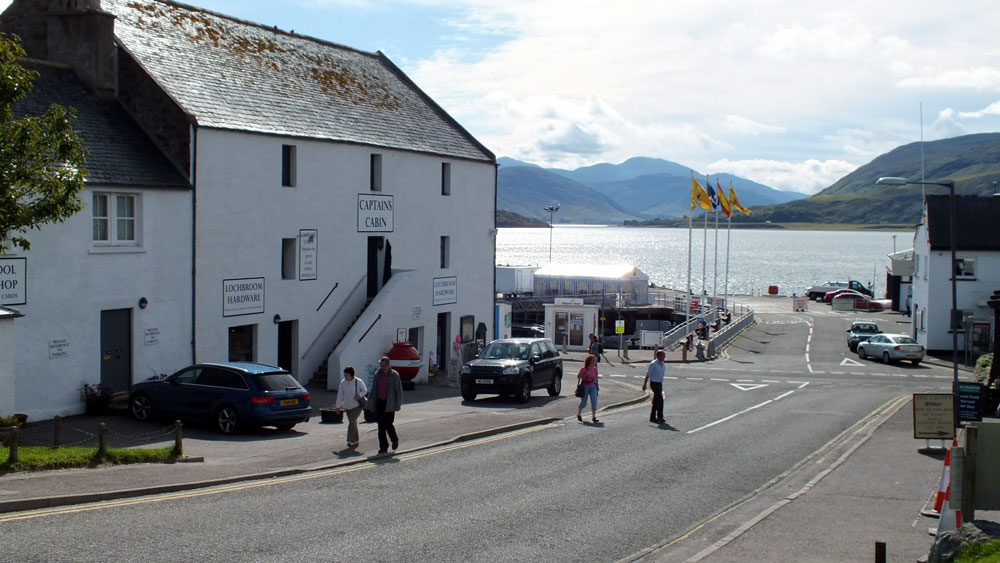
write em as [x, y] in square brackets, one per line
[943, 483]
[951, 519]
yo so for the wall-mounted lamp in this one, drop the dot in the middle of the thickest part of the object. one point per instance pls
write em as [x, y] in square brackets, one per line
[143, 302]
[277, 318]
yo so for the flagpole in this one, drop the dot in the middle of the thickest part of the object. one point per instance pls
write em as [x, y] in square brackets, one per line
[704, 256]
[715, 270]
[687, 309]
[729, 231]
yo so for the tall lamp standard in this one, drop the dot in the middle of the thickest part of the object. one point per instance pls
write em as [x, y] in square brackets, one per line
[551, 209]
[954, 318]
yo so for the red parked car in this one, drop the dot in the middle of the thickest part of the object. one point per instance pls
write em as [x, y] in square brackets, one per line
[828, 298]
[861, 302]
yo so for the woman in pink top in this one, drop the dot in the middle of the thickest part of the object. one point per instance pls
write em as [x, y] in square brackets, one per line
[588, 379]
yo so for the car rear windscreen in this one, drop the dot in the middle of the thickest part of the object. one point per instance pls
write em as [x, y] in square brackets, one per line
[275, 381]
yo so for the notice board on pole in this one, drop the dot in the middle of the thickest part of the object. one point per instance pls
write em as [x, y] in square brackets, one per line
[933, 416]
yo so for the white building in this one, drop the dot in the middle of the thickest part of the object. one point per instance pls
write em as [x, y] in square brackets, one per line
[978, 270]
[603, 282]
[325, 207]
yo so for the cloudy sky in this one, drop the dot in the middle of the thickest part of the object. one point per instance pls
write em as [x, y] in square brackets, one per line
[792, 94]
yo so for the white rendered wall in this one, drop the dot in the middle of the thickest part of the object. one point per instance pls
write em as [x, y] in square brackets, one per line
[8, 383]
[69, 283]
[244, 212]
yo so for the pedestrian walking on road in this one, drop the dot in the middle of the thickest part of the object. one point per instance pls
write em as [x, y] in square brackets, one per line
[350, 396]
[595, 348]
[388, 395]
[588, 379]
[654, 377]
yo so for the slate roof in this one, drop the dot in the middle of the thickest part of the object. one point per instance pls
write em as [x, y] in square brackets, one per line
[977, 222]
[232, 74]
[120, 154]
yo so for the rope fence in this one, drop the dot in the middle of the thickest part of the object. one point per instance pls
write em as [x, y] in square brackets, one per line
[58, 434]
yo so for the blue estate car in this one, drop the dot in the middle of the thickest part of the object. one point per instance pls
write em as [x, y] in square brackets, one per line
[233, 395]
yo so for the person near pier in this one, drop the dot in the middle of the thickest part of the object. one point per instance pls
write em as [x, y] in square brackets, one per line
[655, 372]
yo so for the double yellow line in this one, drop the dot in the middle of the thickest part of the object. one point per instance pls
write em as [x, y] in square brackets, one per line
[248, 485]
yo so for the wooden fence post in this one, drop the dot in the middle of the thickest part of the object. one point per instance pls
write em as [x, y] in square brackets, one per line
[102, 440]
[56, 431]
[178, 439]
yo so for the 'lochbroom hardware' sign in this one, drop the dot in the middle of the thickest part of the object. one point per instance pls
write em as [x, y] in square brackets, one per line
[244, 296]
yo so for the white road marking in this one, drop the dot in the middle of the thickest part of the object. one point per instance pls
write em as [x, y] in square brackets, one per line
[744, 380]
[803, 384]
[748, 386]
[770, 381]
[719, 379]
[730, 417]
[694, 378]
[850, 362]
[618, 375]
[783, 395]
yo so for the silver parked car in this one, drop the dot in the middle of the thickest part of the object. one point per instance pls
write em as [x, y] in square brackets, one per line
[892, 348]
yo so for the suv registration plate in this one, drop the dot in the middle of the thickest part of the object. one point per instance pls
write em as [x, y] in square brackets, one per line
[484, 381]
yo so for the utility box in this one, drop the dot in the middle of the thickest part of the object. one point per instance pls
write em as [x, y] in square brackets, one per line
[987, 465]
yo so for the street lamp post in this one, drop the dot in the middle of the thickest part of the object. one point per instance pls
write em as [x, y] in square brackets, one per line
[954, 318]
[551, 209]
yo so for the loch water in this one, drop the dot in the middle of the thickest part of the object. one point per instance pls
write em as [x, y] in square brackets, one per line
[758, 258]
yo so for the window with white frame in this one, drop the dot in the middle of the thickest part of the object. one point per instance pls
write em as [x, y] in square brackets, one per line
[116, 219]
[965, 268]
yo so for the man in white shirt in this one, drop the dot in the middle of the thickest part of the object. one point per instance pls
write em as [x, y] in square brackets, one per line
[654, 377]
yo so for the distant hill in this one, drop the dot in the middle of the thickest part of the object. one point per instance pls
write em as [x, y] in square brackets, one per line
[971, 161]
[639, 188]
[527, 190]
[510, 219]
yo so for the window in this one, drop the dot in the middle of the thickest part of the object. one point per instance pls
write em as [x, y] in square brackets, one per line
[445, 178]
[376, 173]
[115, 219]
[288, 166]
[445, 251]
[468, 328]
[965, 268]
[288, 259]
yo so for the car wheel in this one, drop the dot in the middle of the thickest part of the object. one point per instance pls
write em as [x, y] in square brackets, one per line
[861, 352]
[141, 407]
[284, 427]
[468, 396]
[524, 394]
[885, 358]
[556, 386]
[225, 420]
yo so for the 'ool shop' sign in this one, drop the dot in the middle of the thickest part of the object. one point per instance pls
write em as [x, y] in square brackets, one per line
[374, 213]
[12, 281]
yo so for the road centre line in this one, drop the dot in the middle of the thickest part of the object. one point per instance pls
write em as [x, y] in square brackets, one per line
[719, 379]
[769, 381]
[800, 386]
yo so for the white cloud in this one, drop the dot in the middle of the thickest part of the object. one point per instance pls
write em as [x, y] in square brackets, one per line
[808, 176]
[740, 125]
[992, 109]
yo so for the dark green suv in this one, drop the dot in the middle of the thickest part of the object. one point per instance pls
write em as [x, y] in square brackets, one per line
[514, 366]
[859, 332]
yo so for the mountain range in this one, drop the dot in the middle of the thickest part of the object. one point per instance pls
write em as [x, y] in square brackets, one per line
[645, 190]
[637, 189]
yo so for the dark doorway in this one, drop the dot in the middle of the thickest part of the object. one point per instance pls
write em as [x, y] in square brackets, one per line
[443, 340]
[287, 344]
[375, 246]
[116, 348]
[241, 343]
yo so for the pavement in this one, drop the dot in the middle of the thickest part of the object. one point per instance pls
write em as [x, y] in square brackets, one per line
[871, 486]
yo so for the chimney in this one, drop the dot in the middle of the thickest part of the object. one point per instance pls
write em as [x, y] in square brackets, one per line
[82, 35]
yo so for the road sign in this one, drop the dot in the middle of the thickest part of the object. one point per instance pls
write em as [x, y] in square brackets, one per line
[970, 401]
[933, 416]
[619, 327]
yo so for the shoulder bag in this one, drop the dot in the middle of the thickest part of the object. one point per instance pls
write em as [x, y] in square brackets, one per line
[361, 400]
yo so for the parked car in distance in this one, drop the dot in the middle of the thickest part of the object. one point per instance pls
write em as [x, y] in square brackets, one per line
[860, 302]
[830, 295]
[513, 366]
[892, 348]
[231, 395]
[818, 291]
[527, 331]
[861, 331]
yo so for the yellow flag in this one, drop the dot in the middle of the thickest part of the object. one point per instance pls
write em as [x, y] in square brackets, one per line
[699, 197]
[734, 202]
[723, 202]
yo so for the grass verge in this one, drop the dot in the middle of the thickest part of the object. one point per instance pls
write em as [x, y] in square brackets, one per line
[36, 458]
[983, 552]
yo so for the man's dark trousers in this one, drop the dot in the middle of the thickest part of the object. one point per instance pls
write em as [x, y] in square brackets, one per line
[385, 425]
[656, 415]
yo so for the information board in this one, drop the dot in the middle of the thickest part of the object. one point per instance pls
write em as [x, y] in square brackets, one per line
[619, 327]
[933, 416]
[970, 401]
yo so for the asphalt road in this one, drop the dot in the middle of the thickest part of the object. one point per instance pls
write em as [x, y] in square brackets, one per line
[784, 393]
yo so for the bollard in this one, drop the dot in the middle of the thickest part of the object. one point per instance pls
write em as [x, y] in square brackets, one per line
[880, 552]
[178, 439]
[56, 431]
[13, 438]
[102, 440]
